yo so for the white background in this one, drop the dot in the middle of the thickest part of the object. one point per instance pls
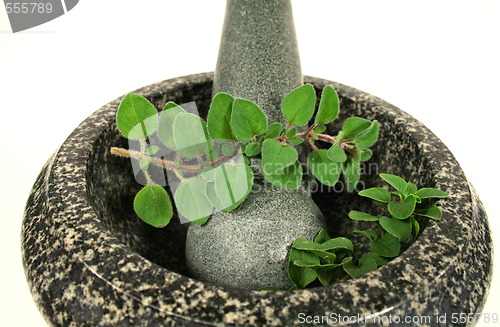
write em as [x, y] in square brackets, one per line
[437, 60]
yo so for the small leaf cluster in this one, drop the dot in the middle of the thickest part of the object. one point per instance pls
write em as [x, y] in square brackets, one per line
[327, 260]
[403, 205]
[322, 259]
[394, 233]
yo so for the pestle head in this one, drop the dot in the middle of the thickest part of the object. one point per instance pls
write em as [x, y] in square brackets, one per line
[248, 249]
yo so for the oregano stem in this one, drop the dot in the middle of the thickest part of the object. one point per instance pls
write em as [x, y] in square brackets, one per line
[323, 137]
[165, 164]
[178, 175]
[311, 143]
[143, 146]
[326, 138]
[177, 172]
[313, 126]
[149, 180]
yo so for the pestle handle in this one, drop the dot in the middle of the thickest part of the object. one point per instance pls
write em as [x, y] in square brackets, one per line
[258, 55]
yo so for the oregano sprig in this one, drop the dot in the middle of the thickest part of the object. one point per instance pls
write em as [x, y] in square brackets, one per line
[209, 158]
[394, 232]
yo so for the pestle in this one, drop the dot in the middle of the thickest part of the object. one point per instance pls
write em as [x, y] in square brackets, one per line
[248, 249]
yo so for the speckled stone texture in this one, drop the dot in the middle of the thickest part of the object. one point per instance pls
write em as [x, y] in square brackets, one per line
[258, 60]
[90, 261]
[258, 55]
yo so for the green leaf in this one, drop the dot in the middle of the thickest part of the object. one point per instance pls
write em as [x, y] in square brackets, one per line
[290, 178]
[402, 209]
[152, 204]
[298, 105]
[346, 260]
[354, 126]
[377, 193]
[191, 199]
[380, 261]
[276, 157]
[247, 120]
[219, 117]
[208, 174]
[296, 140]
[232, 184]
[434, 212]
[363, 268]
[212, 197]
[274, 130]
[322, 237]
[415, 226]
[369, 136]
[352, 172]
[291, 132]
[324, 169]
[144, 164]
[326, 256]
[319, 129]
[365, 154]
[228, 149]
[136, 118]
[410, 188]
[426, 193]
[302, 277]
[328, 106]
[337, 243]
[328, 276]
[169, 105]
[337, 154]
[388, 246]
[190, 135]
[395, 181]
[303, 243]
[252, 149]
[166, 124]
[304, 264]
[355, 154]
[361, 216]
[201, 221]
[369, 234]
[397, 228]
[152, 150]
